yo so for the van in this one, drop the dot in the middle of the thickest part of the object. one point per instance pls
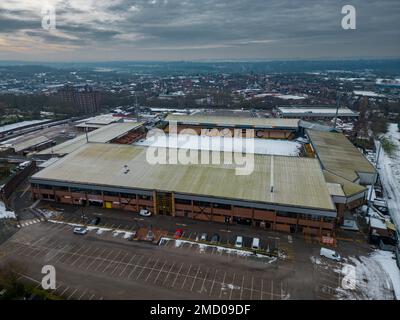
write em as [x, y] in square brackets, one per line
[255, 244]
[239, 242]
[330, 254]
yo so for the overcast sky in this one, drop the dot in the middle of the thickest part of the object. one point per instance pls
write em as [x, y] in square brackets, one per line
[89, 30]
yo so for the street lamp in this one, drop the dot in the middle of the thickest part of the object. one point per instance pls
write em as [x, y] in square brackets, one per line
[82, 216]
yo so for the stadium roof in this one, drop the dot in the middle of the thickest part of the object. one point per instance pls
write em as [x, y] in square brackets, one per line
[338, 155]
[223, 121]
[349, 188]
[316, 112]
[104, 135]
[298, 182]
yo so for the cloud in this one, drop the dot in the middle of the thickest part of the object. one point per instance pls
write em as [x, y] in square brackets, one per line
[200, 29]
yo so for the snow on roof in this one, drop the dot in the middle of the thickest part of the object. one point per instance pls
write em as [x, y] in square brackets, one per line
[228, 144]
[377, 223]
[367, 94]
[20, 124]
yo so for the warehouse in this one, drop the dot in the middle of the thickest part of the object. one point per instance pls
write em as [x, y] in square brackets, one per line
[270, 128]
[97, 122]
[282, 193]
[31, 145]
[313, 113]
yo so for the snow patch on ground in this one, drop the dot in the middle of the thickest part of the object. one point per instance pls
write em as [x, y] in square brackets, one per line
[202, 247]
[389, 171]
[387, 260]
[376, 278]
[48, 213]
[4, 214]
[102, 230]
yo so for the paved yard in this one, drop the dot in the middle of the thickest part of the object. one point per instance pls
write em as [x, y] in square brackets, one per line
[103, 264]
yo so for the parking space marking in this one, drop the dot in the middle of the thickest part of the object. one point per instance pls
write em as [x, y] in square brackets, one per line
[168, 273]
[120, 263]
[184, 281]
[222, 285]
[213, 282]
[233, 283]
[69, 297]
[83, 293]
[272, 289]
[152, 268]
[81, 255]
[194, 279]
[88, 257]
[161, 269]
[126, 265]
[204, 280]
[176, 277]
[66, 289]
[241, 288]
[143, 267]
[95, 258]
[136, 265]
[262, 289]
[111, 261]
[105, 259]
[252, 288]
[74, 252]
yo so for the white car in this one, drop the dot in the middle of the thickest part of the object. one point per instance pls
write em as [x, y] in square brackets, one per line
[203, 237]
[330, 254]
[255, 245]
[80, 230]
[239, 242]
[145, 213]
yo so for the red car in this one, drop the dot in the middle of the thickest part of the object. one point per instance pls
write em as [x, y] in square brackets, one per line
[178, 233]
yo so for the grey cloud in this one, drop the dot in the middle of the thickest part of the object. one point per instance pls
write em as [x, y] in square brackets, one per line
[255, 28]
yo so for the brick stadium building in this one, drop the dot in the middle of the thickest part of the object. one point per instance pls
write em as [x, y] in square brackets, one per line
[284, 193]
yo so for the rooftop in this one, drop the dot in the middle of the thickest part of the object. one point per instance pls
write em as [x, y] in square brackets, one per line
[298, 182]
[227, 144]
[20, 146]
[104, 135]
[316, 111]
[338, 155]
[349, 188]
[234, 121]
[102, 119]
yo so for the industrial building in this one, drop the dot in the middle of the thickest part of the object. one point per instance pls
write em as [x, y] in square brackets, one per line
[97, 122]
[270, 128]
[312, 113]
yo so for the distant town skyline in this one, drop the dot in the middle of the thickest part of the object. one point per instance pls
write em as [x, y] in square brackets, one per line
[113, 30]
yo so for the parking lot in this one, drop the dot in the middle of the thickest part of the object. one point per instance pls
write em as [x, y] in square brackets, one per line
[103, 264]
[192, 230]
[185, 273]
